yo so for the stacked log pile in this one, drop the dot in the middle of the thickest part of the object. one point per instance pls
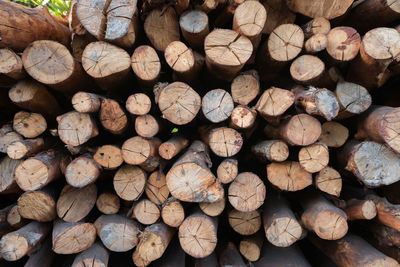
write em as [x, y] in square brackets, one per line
[200, 133]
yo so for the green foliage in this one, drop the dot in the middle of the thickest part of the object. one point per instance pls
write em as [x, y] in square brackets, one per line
[175, 130]
[58, 8]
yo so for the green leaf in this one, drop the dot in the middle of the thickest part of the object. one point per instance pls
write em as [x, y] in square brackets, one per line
[175, 130]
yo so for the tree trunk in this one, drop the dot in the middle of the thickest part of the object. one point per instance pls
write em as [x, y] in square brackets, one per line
[42, 256]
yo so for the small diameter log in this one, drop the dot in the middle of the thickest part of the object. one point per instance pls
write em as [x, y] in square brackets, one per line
[72, 237]
[276, 256]
[280, 225]
[247, 192]
[108, 203]
[4, 211]
[96, 255]
[108, 64]
[76, 128]
[301, 130]
[323, 218]
[156, 188]
[181, 60]
[42, 255]
[224, 141]
[108, 156]
[86, 102]
[172, 212]
[29, 124]
[227, 170]
[353, 99]
[230, 256]
[277, 13]
[236, 48]
[7, 136]
[245, 223]
[383, 234]
[370, 68]
[288, 176]
[198, 235]
[213, 209]
[138, 104]
[118, 233]
[51, 63]
[8, 184]
[190, 178]
[274, 102]
[318, 25]
[250, 247]
[373, 164]
[137, 150]
[328, 180]
[146, 212]
[207, 5]
[14, 218]
[333, 134]
[25, 148]
[271, 150]
[17, 244]
[309, 70]
[154, 240]
[146, 65]
[358, 252]
[129, 182]
[112, 116]
[160, 37]
[314, 158]
[172, 147]
[245, 87]
[194, 27]
[39, 205]
[325, 8]
[357, 209]
[316, 43]
[82, 171]
[146, 126]
[387, 213]
[343, 43]
[217, 105]
[179, 103]
[242, 117]
[37, 171]
[11, 64]
[74, 204]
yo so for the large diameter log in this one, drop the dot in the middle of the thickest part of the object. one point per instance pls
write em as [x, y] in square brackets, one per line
[156, 188]
[29, 124]
[353, 99]
[51, 63]
[198, 235]
[318, 25]
[373, 164]
[96, 255]
[190, 178]
[230, 256]
[17, 244]
[129, 182]
[343, 43]
[29, 25]
[172, 212]
[278, 13]
[217, 105]
[76, 128]
[118, 233]
[288, 176]
[108, 156]
[7, 180]
[194, 27]
[358, 252]
[333, 134]
[112, 116]
[325, 8]
[245, 223]
[11, 64]
[276, 256]
[236, 48]
[386, 211]
[39, 205]
[146, 65]
[82, 171]
[71, 238]
[245, 87]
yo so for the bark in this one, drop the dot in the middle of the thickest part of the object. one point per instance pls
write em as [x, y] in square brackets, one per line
[271, 150]
[28, 147]
[360, 209]
[8, 183]
[7, 136]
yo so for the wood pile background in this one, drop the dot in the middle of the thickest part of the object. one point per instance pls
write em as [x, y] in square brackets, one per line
[200, 133]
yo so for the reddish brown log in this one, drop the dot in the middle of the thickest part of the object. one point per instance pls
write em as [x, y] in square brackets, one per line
[39, 205]
[108, 156]
[156, 188]
[113, 117]
[360, 209]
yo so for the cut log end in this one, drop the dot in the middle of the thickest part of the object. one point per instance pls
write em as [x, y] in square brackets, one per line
[225, 142]
[245, 87]
[274, 102]
[172, 213]
[138, 104]
[146, 212]
[217, 105]
[129, 182]
[328, 180]
[285, 42]
[108, 156]
[227, 170]
[249, 19]
[333, 134]
[156, 188]
[245, 223]
[288, 176]
[108, 203]
[314, 158]
[146, 64]
[76, 128]
[86, 102]
[343, 43]
[29, 124]
[82, 171]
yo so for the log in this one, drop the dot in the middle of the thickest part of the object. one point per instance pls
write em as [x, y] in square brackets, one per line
[74, 204]
[4, 212]
[236, 48]
[129, 182]
[194, 27]
[172, 212]
[373, 164]
[217, 105]
[107, 64]
[137, 150]
[288, 176]
[25, 148]
[328, 180]
[314, 158]
[84, 102]
[245, 87]
[172, 147]
[316, 43]
[343, 43]
[138, 261]
[230, 256]
[33, 24]
[146, 65]
[29, 124]
[276, 256]
[198, 235]
[15, 245]
[112, 116]
[181, 60]
[213, 209]
[179, 103]
[323, 218]
[108, 156]
[277, 13]
[271, 150]
[118, 233]
[7, 136]
[138, 104]
[39, 205]
[207, 5]
[358, 253]
[333, 134]
[386, 211]
[325, 8]
[224, 141]
[227, 170]
[280, 225]
[310, 70]
[353, 99]
[318, 25]
[146, 126]
[42, 255]
[82, 171]
[51, 63]
[242, 117]
[76, 128]
[245, 223]
[357, 209]
[11, 64]
[14, 218]
[160, 37]
[209, 261]
[190, 178]
[8, 184]
[156, 188]
[250, 247]
[383, 234]
[173, 255]
[96, 255]
[146, 212]
[72, 237]
[108, 203]
[274, 102]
